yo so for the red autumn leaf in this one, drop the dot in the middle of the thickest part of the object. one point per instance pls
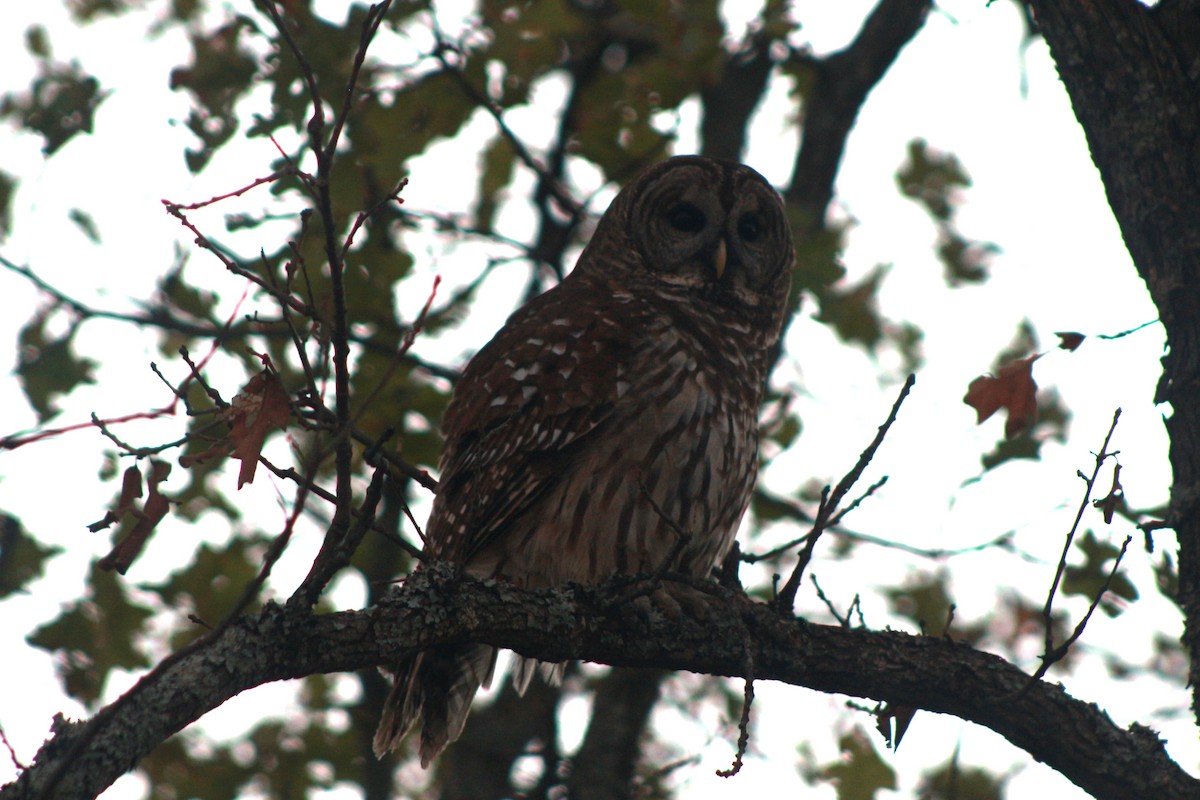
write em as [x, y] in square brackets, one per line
[1069, 340]
[155, 509]
[256, 410]
[1013, 390]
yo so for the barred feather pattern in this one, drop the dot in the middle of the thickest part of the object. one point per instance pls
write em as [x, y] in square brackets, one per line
[609, 414]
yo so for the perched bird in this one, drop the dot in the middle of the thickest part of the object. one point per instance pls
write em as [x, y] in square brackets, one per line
[639, 377]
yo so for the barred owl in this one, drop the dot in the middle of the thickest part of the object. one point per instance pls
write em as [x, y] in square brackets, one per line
[637, 378]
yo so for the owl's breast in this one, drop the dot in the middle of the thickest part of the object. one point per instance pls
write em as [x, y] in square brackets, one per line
[666, 472]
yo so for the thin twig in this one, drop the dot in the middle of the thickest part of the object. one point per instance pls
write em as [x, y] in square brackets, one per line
[198, 377]
[11, 752]
[100, 720]
[830, 501]
[743, 742]
[317, 490]
[361, 218]
[274, 176]
[406, 343]
[325, 151]
[874, 487]
[336, 554]
[202, 240]
[569, 204]
[795, 512]
[842, 621]
[1101, 456]
[1134, 329]
[1060, 652]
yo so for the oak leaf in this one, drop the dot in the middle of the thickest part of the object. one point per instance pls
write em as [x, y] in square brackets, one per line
[148, 516]
[259, 408]
[1012, 389]
[1069, 340]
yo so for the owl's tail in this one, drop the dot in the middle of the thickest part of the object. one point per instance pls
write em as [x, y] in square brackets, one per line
[438, 686]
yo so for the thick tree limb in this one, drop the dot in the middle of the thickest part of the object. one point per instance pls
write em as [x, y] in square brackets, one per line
[479, 765]
[840, 86]
[1073, 737]
[604, 767]
[1133, 74]
[727, 104]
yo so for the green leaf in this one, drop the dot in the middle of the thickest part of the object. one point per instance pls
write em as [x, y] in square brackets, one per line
[498, 163]
[926, 603]
[192, 300]
[8, 188]
[853, 311]
[818, 254]
[22, 558]
[95, 636]
[61, 103]
[387, 131]
[1087, 579]
[37, 42]
[174, 770]
[965, 261]
[85, 223]
[952, 781]
[223, 69]
[87, 10]
[1052, 420]
[212, 584]
[861, 773]
[528, 41]
[1023, 345]
[48, 367]
[931, 178]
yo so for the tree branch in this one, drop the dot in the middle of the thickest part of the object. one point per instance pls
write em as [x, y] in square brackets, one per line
[568, 622]
[840, 87]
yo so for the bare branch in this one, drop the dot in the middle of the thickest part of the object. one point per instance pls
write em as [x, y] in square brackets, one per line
[831, 501]
[1101, 456]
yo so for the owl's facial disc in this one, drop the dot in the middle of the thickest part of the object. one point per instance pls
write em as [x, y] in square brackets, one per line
[687, 234]
[717, 229]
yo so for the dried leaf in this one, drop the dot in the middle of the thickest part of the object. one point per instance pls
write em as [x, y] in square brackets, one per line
[130, 546]
[131, 489]
[893, 732]
[1108, 504]
[1069, 340]
[1013, 389]
[260, 407]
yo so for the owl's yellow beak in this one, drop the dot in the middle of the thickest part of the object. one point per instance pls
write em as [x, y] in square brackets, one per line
[720, 257]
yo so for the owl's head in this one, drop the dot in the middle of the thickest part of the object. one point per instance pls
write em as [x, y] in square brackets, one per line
[701, 226]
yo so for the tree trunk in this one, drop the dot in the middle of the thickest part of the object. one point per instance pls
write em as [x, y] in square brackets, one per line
[1133, 74]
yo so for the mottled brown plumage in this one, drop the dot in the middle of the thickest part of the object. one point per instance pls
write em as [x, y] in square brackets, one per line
[640, 374]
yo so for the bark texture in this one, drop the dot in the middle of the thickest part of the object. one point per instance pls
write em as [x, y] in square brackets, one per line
[599, 624]
[1133, 75]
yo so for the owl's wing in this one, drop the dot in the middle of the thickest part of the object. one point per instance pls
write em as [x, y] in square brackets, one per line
[548, 379]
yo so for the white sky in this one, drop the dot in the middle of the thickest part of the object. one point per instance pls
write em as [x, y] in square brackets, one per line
[1035, 193]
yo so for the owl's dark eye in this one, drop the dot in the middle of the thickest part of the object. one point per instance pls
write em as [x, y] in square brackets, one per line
[685, 218]
[749, 228]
